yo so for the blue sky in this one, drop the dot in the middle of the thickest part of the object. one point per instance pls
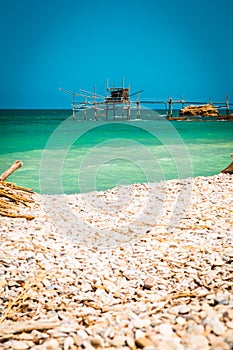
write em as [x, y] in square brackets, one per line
[173, 48]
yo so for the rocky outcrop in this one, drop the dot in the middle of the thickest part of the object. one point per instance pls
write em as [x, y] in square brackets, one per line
[207, 110]
[228, 117]
[229, 169]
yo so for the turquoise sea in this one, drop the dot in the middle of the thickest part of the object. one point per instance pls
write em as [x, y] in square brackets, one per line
[61, 155]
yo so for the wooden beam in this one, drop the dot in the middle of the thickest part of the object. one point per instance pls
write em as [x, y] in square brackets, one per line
[16, 165]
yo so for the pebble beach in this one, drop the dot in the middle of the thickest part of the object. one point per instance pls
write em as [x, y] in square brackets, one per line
[139, 266]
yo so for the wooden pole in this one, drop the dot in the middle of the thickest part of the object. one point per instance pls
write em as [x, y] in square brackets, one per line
[106, 88]
[227, 105]
[138, 109]
[95, 102]
[16, 165]
[170, 107]
[182, 103]
[114, 111]
[96, 113]
[128, 112]
[85, 112]
[73, 103]
[106, 99]
[106, 113]
[138, 106]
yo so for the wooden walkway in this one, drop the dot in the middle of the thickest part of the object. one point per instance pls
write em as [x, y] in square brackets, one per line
[119, 99]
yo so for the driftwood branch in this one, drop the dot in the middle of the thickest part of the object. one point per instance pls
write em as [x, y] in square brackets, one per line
[13, 197]
[8, 330]
[229, 169]
[16, 165]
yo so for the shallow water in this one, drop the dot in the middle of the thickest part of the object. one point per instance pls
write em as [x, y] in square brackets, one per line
[65, 155]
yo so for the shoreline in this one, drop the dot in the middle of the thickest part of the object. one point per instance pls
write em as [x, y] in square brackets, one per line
[144, 265]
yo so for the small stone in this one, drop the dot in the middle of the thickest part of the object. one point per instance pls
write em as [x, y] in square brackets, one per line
[229, 341]
[184, 309]
[217, 343]
[218, 327]
[149, 282]
[12, 283]
[143, 342]
[77, 340]
[49, 305]
[180, 320]
[37, 336]
[162, 345]
[129, 274]
[97, 341]
[141, 323]
[3, 282]
[118, 341]
[130, 342]
[19, 345]
[26, 336]
[166, 329]
[87, 345]
[223, 302]
[139, 334]
[68, 343]
[57, 333]
[218, 262]
[229, 252]
[221, 299]
[198, 342]
[82, 334]
[230, 324]
[195, 328]
[51, 344]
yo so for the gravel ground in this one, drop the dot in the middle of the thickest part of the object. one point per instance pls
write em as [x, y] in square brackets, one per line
[140, 266]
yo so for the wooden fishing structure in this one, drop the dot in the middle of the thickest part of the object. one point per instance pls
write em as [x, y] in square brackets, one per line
[118, 103]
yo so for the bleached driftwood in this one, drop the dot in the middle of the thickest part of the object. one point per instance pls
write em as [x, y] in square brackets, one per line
[16, 165]
[12, 196]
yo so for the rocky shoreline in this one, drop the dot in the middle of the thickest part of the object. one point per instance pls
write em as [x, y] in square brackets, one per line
[142, 266]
